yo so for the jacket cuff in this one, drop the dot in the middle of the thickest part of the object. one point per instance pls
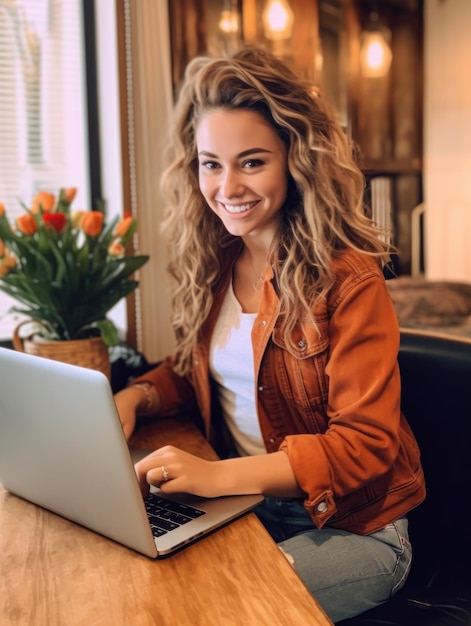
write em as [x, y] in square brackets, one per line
[320, 502]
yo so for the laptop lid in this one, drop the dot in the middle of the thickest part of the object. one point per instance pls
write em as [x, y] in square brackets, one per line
[62, 448]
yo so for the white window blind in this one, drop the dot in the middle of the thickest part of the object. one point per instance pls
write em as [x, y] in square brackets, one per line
[43, 128]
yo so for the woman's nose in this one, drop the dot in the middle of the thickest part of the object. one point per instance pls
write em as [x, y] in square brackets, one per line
[231, 184]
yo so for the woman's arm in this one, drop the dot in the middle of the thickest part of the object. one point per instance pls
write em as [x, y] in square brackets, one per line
[137, 399]
[157, 393]
[268, 474]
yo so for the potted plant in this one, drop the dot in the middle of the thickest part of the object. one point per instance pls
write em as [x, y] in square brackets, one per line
[67, 269]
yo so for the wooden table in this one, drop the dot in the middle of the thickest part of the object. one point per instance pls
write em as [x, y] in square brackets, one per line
[55, 573]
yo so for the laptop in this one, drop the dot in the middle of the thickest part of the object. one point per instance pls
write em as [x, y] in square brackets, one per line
[62, 448]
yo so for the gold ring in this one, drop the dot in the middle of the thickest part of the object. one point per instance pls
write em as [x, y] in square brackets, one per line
[165, 475]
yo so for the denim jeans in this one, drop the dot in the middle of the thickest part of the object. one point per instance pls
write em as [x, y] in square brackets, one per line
[346, 573]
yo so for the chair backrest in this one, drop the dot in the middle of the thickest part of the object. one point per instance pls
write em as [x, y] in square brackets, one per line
[436, 400]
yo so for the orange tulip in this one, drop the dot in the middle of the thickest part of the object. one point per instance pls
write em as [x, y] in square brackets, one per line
[27, 224]
[7, 263]
[69, 194]
[2, 249]
[124, 225]
[92, 223]
[2, 209]
[43, 200]
[116, 249]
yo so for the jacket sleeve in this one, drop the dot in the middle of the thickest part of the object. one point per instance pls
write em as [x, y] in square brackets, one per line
[176, 393]
[363, 408]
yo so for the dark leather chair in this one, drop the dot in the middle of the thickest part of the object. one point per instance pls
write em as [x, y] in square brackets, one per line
[436, 399]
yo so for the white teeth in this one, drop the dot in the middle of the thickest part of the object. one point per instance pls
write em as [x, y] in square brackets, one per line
[240, 208]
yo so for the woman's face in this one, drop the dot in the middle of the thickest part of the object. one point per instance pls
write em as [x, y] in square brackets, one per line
[243, 171]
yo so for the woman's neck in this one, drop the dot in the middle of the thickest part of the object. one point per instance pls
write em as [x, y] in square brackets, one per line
[247, 278]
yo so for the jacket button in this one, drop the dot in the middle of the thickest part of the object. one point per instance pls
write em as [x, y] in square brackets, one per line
[272, 440]
[263, 323]
[302, 343]
[321, 507]
[260, 388]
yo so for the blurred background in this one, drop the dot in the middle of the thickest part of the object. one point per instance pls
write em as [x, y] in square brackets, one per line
[87, 87]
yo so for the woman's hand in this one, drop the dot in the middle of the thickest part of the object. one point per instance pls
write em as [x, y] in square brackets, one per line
[176, 471]
[127, 402]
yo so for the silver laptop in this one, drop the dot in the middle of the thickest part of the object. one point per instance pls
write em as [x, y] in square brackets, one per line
[62, 448]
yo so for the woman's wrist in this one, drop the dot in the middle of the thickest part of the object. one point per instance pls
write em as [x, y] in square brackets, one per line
[148, 402]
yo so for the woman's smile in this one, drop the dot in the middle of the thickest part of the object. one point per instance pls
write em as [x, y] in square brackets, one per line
[238, 208]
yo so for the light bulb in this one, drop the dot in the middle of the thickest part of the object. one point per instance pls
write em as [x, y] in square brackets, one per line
[228, 22]
[375, 54]
[278, 20]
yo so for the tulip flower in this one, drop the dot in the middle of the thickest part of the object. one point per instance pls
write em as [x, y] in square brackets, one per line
[2, 249]
[2, 209]
[55, 221]
[69, 193]
[92, 223]
[26, 224]
[7, 263]
[76, 218]
[116, 249]
[124, 225]
[43, 200]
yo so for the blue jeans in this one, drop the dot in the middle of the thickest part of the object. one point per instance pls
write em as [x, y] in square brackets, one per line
[346, 573]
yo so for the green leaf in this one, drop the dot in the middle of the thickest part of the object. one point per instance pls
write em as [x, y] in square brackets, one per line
[108, 331]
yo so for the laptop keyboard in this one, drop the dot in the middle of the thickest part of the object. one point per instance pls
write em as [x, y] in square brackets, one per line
[165, 515]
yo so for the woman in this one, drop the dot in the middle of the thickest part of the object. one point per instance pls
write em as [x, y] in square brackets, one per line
[286, 336]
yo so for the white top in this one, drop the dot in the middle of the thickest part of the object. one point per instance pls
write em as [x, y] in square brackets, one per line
[232, 367]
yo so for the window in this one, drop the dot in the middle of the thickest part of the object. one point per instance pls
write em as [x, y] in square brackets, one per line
[43, 104]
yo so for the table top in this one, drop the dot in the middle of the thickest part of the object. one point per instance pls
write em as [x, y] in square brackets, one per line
[55, 573]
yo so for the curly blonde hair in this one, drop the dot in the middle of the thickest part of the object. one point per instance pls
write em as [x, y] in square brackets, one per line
[324, 211]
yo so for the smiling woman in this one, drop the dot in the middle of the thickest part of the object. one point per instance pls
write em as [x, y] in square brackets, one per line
[262, 179]
[243, 176]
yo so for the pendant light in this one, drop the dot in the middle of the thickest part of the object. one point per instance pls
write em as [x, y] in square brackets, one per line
[375, 51]
[277, 18]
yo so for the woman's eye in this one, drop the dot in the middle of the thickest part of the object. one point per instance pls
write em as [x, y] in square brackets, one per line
[209, 165]
[251, 163]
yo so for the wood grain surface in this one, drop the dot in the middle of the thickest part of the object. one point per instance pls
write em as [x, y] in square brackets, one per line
[55, 573]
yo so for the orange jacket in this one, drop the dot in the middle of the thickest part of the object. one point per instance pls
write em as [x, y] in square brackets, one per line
[333, 403]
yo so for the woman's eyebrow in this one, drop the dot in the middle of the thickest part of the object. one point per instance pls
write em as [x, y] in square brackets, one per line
[240, 155]
[255, 151]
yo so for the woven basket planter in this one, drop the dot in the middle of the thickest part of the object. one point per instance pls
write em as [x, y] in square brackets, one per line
[90, 352]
